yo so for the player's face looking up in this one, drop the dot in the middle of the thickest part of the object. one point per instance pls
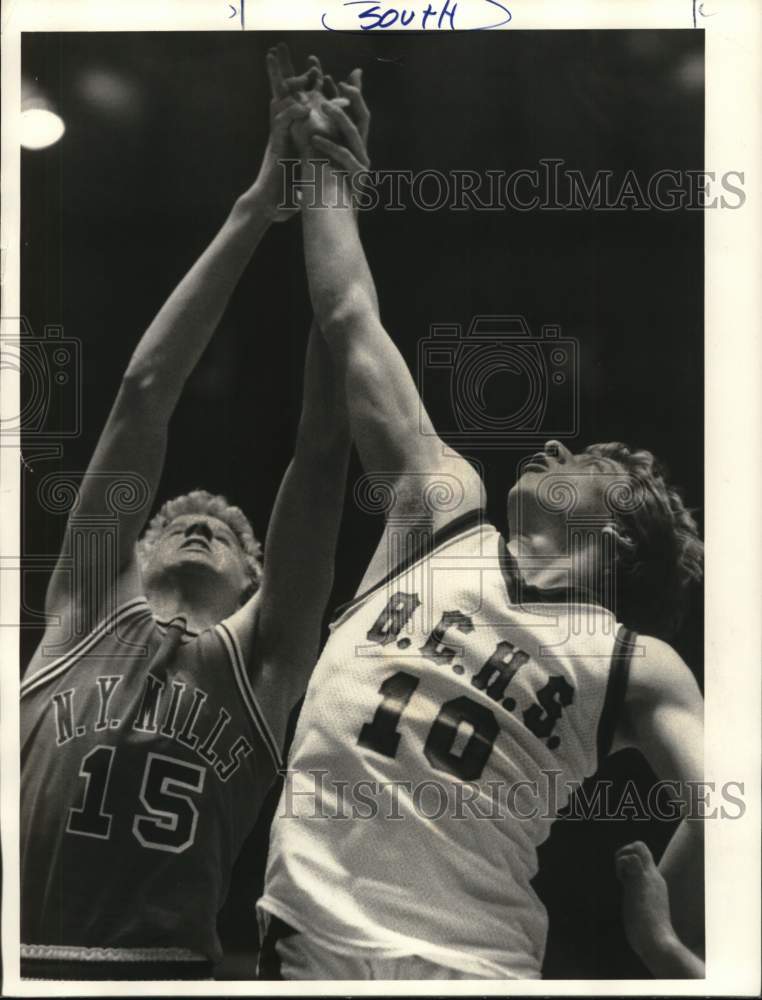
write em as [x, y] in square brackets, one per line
[557, 487]
[197, 550]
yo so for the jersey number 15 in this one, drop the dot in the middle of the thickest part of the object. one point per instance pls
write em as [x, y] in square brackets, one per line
[170, 817]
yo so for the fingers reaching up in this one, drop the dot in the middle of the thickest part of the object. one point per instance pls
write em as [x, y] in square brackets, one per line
[284, 80]
[349, 133]
[634, 857]
[316, 70]
[278, 87]
[337, 109]
[352, 90]
[285, 111]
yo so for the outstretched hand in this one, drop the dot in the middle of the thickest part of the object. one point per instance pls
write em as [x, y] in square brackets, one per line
[310, 115]
[645, 898]
[347, 147]
[312, 90]
[350, 153]
[297, 112]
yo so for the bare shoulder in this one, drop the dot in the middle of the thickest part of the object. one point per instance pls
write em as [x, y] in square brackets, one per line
[661, 697]
[663, 711]
[277, 680]
[243, 624]
[424, 504]
[659, 674]
[73, 614]
[447, 487]
[270, 656]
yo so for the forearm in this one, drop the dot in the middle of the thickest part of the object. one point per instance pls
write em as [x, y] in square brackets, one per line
[337, 269]
[384, 406]
[173, 343]
[682, 867]
[323, 432]
[301, 537]
[306, 513]
[668, 958]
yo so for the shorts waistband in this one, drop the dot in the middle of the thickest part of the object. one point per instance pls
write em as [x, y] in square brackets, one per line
[71, 962]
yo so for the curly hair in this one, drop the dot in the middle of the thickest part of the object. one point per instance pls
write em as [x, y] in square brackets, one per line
[660, 553]
[203, 502]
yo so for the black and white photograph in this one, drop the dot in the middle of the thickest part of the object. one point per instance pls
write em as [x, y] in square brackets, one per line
[361, 621]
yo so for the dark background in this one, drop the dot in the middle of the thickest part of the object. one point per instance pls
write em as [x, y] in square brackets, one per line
[163, 131]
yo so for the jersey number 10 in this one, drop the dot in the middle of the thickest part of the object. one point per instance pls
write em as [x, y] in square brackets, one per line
[381, 733]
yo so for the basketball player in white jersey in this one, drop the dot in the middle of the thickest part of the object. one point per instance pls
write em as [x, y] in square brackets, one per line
[153, 712]
[472, 682]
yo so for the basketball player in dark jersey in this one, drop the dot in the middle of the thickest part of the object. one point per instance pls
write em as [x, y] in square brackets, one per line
[153, 712]
[459, 664]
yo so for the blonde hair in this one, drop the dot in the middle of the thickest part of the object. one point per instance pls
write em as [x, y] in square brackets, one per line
[203, 502]
[660, 553]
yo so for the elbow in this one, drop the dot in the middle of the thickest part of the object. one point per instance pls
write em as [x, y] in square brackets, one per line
[143, 390]
[139, 380]
[341, 314]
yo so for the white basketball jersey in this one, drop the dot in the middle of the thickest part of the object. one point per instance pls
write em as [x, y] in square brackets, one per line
[447, 717]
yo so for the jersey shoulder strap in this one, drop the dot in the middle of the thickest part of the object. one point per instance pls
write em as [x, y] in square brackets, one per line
[227, 635]
[424, 546]
[129, 611]
[616, 689]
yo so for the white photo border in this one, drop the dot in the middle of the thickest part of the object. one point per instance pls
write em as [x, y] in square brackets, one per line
[733, 263]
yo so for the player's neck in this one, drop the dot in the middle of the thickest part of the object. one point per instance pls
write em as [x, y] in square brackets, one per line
[542, 564]
[538, 564]
[201, 608]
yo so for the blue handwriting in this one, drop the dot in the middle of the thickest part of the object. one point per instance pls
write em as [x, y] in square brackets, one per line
[374, 16]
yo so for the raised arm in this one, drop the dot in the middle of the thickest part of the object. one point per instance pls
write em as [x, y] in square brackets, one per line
[663, 717]
[300, 545]
[133, 442]
[390, 426]
[280, 627]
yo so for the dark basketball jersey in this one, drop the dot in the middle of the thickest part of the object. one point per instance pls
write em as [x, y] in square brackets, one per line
[144, 763]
